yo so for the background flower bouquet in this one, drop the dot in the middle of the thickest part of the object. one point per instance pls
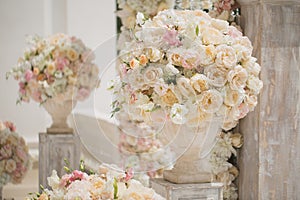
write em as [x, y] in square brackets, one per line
[14, 155]
[58, 67]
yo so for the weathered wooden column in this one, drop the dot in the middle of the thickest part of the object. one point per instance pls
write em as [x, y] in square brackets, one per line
[270, 158]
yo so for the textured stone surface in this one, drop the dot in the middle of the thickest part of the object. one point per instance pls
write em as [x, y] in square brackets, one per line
[270, 158]
[199, 191]
[53, 149]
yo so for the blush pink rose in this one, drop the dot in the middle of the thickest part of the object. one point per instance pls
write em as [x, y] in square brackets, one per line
[28, 75]
[171, 37]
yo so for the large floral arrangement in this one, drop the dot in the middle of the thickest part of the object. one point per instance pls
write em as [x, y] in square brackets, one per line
[108, 183]
[14, 155]
[58, 66]
[187, 66]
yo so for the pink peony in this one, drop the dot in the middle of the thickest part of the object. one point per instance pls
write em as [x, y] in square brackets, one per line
[28, 75]
[61, 63]
[171, 37]
[11, 126]
[129, 174]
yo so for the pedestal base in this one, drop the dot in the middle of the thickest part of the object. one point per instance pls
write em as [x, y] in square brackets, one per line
[54, 148]
[196, 191]
[174, 177]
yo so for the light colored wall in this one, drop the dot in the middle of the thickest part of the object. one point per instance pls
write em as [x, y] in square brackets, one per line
[91, 20]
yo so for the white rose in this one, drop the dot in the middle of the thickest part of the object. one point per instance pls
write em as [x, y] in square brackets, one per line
[251, 101]
[242, 52]
[131, 140]
[217, 76]
[251, 66]
[233, 97]
[210, 101]
[178, 113]
[207, 55]
[10, 166]
[237, 78]
[199, 82]
[221, 25]
[154, 54]
[171, 69]
[226, 56]
[140, 18]
[212, 36]
[254, 84]
[2, 126]
[160, 88]
[228, 125]
[53, 180]
[185, 87]
[152, 74]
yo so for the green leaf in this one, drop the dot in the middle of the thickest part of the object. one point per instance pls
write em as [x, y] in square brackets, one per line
[197, 30]
[115, 185]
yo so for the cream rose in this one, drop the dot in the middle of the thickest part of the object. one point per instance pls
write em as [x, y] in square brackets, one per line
[233, 97]
[216, 76]
[152, 74]
[210, 101]
[2, 126]
[251, 66]
[237, 78]
[10, 166]
[254, 84]
[212, 36]
[72, 54]
[185, 87]
[221, 25]
[226, 56]
[242, 52]
[169, 98]
[251, 101]
[134, 63]
[199, 82]
[178, 113]
[154, 54]
[207, 55]
[237, 140]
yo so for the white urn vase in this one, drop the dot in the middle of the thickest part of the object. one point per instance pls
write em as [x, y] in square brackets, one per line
[192, 146]
[59, 112]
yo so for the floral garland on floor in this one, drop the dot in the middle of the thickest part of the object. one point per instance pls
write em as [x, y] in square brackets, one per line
[14, 155]
[108, 183]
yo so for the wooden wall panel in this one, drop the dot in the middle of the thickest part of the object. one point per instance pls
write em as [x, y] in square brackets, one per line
[270, 159]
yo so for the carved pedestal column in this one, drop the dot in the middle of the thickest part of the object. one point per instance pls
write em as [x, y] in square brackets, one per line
[53, 150]
[270, 158]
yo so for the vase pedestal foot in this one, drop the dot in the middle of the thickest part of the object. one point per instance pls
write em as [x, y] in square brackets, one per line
[173, 191]
[54, 149]
[56, 130]
[186, 177]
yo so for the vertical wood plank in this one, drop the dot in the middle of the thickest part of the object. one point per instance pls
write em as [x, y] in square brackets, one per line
[270, 159]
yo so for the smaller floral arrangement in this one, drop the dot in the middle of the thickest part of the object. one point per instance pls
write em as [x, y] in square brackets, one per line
[227, 10]
[222, 167]
[14, 155]
[58, 66]
[108, 183]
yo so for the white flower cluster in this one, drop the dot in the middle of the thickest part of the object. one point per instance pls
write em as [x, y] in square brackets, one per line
[108, 183]
[223, 170]
[187, 67]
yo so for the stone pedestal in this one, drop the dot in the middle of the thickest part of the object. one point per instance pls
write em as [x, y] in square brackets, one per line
[53, 150]
[196, 191]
